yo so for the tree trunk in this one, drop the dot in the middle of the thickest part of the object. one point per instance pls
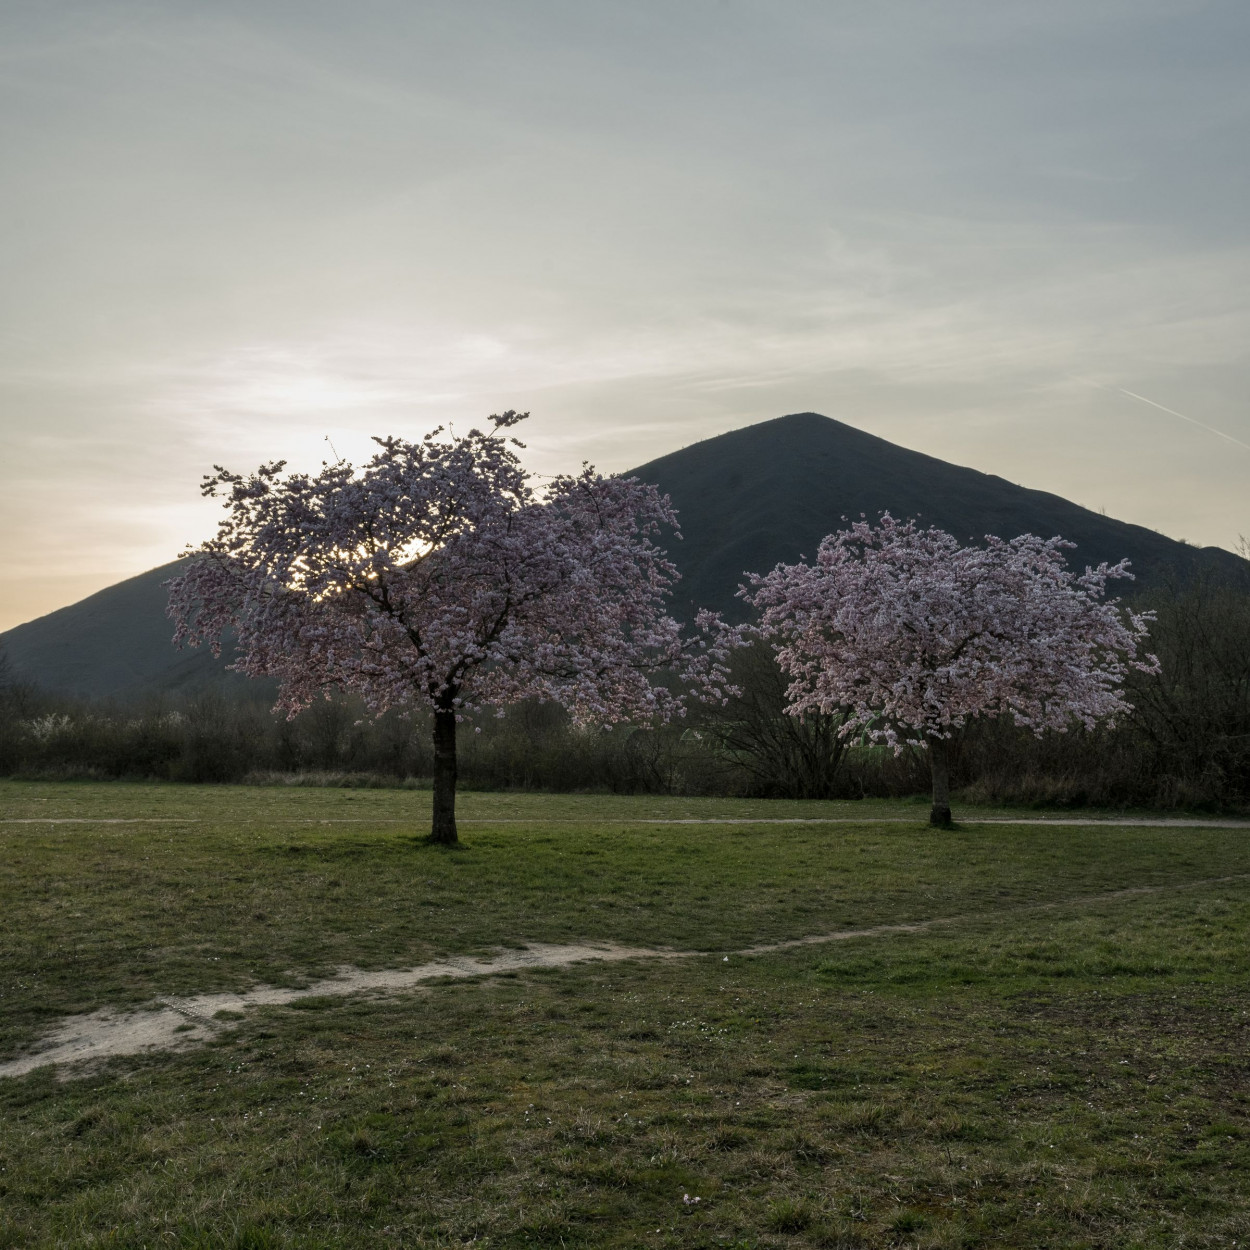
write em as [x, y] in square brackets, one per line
[443, 829]
[939, 762]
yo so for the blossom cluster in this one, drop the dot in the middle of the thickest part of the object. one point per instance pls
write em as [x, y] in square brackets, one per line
[907, 634]
[436, 574]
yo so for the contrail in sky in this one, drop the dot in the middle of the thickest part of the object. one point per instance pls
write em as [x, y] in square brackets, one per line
[1172, 412]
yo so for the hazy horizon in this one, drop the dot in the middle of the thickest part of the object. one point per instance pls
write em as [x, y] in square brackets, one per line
[1010, 236]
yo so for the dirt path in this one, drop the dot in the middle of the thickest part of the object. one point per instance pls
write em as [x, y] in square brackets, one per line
[181, 1022]
[101, 820]
[178, 1023]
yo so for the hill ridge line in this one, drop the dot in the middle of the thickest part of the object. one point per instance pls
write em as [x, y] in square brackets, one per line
[747, 500]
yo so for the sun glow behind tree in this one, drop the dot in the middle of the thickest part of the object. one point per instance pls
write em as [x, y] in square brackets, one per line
[436, 576]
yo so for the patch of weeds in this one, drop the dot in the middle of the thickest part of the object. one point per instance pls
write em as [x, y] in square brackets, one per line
[728, 1139]
[547, 1231]
[956, 1128]
[380, 1140]
[871, 1118]
[839, 1235]
[908, 1222]
[442, 1057]
[315, 1002]
[788, 1216]
[821, 1076]
[804, 1148]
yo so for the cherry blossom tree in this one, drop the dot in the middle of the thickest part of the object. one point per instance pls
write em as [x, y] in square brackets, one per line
[437, 576]
[907, 635]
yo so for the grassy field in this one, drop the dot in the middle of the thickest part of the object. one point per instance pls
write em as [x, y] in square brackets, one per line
[1057, 1065]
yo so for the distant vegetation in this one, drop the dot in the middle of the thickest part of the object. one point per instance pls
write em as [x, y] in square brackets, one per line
[1186, 744]
[96, 690]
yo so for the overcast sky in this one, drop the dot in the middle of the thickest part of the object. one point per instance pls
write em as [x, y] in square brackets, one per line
[230, 230]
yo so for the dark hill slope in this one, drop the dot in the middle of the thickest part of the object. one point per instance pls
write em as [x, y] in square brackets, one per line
[114, 643]
[746, 499]
[768, 493]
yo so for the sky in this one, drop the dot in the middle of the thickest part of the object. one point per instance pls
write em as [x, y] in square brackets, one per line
[1009, 234]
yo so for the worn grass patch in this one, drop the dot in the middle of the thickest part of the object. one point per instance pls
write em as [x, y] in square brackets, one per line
[1040, 1073]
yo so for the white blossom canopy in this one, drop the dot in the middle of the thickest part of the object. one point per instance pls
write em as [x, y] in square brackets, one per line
[437, 575]
[908, 635]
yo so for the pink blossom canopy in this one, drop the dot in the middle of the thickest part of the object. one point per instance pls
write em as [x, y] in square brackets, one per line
[436, 575]
[907, 634]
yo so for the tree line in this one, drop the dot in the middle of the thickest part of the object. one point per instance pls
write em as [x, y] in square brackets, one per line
[1186, 743]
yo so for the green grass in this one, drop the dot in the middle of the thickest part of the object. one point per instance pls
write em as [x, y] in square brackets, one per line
[1049, 1068]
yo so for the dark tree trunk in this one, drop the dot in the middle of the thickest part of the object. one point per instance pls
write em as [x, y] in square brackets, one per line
[939, 762]
[443, 829]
